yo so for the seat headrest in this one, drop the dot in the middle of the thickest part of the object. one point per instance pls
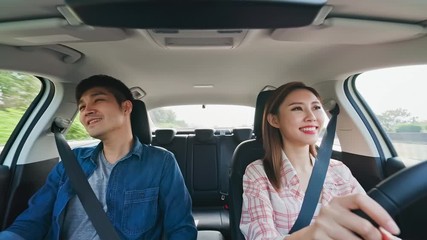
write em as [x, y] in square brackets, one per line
[242, 134]
[204, 135]
[165, 136]
[139, 122]
[259, 111]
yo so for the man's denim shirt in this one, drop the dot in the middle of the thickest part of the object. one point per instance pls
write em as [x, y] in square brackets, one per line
[146, 196]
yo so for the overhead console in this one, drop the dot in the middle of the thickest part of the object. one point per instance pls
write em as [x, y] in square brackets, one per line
[197, 14]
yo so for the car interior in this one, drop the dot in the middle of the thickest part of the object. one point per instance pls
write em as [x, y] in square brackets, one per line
[203, 53]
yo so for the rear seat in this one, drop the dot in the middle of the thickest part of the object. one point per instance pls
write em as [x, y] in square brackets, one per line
[168, 139]
[203, 169]
[203, 174]
[204, 158]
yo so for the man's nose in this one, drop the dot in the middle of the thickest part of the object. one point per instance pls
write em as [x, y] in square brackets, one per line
[88, 110]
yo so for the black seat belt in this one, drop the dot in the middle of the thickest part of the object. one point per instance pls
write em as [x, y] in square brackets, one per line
[80, 185]
[318, 174]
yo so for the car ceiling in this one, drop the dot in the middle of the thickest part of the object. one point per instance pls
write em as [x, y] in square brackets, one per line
[168, 75]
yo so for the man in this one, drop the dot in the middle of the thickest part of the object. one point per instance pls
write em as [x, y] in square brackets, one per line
[140, 187]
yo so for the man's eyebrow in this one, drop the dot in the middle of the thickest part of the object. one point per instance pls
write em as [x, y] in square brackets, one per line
[98, 94]
[94, 94]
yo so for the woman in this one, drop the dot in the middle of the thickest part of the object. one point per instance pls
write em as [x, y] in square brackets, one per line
[274, 187]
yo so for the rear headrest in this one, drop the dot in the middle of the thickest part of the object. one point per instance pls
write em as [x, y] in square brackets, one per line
[242, 134]
[139, 122]
[259, 111]
[204, 135]
[165, 136]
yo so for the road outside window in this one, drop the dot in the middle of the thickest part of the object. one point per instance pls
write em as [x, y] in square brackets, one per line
[398, 96]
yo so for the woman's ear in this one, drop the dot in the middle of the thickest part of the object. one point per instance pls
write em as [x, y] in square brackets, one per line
[273, 120]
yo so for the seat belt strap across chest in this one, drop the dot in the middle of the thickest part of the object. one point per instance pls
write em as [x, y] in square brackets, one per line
[318, 175]
[80, 185]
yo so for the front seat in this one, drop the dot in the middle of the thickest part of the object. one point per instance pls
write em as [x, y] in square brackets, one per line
[245, 153]
[139, 122]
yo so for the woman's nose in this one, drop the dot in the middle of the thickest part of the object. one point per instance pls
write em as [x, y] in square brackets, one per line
[310, 116]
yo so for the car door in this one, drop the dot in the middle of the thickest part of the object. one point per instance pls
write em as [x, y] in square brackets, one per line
[23, 168]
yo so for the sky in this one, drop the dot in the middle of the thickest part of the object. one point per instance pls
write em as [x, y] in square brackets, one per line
[400, 87]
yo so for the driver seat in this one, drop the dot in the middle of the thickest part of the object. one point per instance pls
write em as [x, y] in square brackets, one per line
[245, 153]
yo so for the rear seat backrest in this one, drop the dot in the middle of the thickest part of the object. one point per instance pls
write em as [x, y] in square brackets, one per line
[203, 169]
[177, 144]
[204, 158]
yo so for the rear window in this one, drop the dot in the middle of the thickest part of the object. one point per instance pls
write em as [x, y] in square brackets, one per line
[190, 117]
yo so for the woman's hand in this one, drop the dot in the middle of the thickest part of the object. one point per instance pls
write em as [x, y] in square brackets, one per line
[336, 221]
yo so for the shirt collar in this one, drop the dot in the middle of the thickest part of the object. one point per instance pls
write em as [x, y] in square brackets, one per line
[289, 172]
[135, 150]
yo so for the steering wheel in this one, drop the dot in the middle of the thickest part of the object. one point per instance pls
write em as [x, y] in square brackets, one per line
[400, 190]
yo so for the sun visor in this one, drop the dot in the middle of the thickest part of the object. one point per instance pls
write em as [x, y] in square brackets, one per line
[196, 14]
[350, 31]
[53, 31]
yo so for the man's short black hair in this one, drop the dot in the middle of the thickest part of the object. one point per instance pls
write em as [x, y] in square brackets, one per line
[120, 91]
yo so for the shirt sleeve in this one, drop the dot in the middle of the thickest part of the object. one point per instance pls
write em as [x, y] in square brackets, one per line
[257, 221]
[175, 202]
[6, 235]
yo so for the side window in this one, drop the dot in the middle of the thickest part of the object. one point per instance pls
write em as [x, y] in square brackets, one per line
[398, 98]
[17, 92]
[77, 135]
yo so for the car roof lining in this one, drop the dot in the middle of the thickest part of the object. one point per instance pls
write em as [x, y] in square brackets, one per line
[134, 57]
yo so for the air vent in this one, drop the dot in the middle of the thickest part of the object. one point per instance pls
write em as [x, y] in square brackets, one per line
[172, 38]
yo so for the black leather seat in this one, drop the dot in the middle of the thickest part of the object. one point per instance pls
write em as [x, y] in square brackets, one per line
[177, 144]
[141, 129]
[245, 153]
[139, 122]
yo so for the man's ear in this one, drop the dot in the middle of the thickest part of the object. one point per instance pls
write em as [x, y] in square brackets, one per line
[273, 120]
[127, 106]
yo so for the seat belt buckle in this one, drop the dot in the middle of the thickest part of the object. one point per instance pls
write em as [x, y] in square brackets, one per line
[223, 195]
